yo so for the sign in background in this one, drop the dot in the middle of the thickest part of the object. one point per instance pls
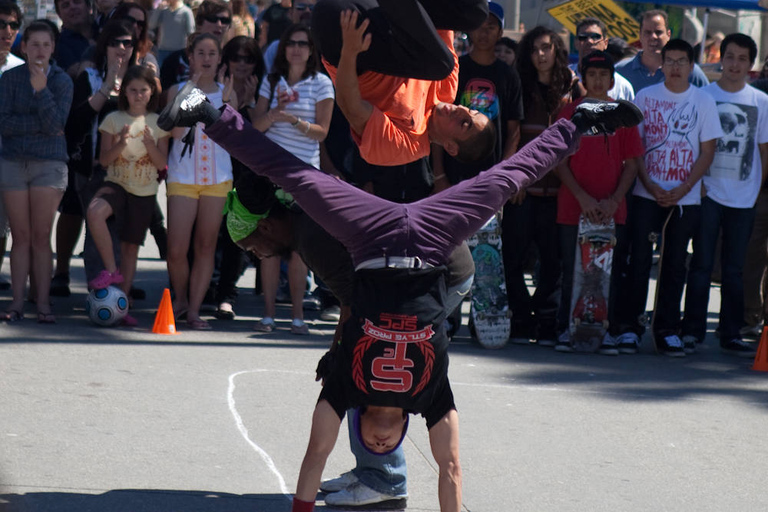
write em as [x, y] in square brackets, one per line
[619, 22]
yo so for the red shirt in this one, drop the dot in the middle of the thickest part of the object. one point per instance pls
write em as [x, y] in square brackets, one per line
[597, 167]
[396, 132]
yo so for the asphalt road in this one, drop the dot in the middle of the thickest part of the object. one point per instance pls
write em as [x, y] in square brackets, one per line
[123, 420]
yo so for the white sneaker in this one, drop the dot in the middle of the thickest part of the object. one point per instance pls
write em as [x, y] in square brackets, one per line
[359, 494]
[628, 343]
[609, 346]
[340, 483]
[331, 314]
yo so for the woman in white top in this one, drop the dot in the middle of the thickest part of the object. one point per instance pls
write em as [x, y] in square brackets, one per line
[294, 110]
[198, 183]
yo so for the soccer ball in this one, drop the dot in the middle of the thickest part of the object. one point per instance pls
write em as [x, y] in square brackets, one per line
[106, 306]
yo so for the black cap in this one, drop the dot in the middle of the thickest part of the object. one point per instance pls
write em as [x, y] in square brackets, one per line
[597, 59]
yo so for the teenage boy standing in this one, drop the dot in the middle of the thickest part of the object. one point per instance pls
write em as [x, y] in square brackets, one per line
[732, 185]
[680, 134]
[595, 191]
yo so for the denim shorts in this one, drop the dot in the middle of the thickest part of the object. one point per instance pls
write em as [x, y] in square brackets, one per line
[16, 175]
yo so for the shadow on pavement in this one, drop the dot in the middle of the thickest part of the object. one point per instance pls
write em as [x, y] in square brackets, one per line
[143, 500]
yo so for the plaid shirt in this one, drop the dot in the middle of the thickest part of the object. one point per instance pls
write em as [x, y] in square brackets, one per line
[32, 124]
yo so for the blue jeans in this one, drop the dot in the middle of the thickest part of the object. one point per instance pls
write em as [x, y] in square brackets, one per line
[648, 217]
[568, 238]
[388, 474]
[736, 224]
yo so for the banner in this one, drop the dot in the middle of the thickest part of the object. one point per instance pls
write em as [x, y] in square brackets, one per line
[619, 23]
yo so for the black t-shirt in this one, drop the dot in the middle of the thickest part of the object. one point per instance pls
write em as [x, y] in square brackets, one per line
[394, 351]
[277, 17]
[495, 91]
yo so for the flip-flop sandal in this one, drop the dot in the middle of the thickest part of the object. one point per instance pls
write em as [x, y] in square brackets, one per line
[225, 311]
[12, 315]
[199, 325]
[46, 318]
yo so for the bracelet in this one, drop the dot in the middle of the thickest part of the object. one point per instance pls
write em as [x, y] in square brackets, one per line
[296, 123]
[438, 178]
[308, 127]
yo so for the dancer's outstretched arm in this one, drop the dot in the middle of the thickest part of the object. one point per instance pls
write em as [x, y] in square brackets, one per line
[325, 430]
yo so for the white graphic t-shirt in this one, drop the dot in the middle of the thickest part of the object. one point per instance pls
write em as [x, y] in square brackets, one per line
[675, 124]
[735, 176]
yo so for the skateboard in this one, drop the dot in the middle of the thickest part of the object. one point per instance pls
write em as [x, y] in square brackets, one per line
[489, 307]
[654, 238]
[591, 284]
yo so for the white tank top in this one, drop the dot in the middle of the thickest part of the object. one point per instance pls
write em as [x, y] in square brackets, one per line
[208, 163]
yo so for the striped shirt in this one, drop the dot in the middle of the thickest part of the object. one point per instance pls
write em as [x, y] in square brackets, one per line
[32, 124]
[310, 91]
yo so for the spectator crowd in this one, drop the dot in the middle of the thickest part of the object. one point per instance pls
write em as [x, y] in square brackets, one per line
[79, 107]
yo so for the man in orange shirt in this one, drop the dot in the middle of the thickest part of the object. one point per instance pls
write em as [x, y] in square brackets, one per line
[396, 83]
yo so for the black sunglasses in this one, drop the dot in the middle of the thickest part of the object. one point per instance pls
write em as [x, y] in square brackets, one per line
[243, 58]
[300, 44]
[225, 20]
[139, 23]
[15, 25]
[592, 36]
[121, 43]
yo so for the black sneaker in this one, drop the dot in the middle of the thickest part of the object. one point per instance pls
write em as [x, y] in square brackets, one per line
[595, 116]
[60, 286]
[189, 107]
[671, 346]
[738, 347]
[689, 344]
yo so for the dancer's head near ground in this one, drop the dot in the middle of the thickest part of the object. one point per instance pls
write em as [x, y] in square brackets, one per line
[380, 429]
[258, 218]
[467, 135]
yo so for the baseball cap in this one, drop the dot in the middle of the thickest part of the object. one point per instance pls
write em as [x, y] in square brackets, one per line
[498, 11]
[597, 59]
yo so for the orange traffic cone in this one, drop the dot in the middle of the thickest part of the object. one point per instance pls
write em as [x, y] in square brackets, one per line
[164, 321]
[761, 358]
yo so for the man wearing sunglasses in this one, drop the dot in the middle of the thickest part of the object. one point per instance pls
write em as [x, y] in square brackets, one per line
[10, 22]
[213, 17]
[299, 12]
[590, 37]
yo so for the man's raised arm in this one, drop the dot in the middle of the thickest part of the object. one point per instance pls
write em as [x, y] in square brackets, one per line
[355, 109]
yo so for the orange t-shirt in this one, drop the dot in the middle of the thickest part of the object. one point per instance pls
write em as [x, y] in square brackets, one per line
[396, 132]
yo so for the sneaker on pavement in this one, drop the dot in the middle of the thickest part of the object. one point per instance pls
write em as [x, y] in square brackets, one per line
[564, 343]
[60, 286]
[339, 483]
[359, 494]
[609, 346]
[671, 346]
[189, 107]
[517, 340]
[751, 332]
[331, 314]
[738, 347]
[593, 116]
[689, 344]
[628, 343]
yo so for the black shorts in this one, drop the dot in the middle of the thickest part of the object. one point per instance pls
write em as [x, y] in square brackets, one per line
[134, 212]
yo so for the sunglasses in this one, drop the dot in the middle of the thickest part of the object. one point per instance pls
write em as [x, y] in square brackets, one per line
[121, 43]
[247, 59]
[303, 7]
[15, 25]
[139, 23]
[225, 20]
[592, 36]
[293, 44]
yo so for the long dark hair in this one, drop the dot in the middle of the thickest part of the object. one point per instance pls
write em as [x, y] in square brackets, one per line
[250, 46]
[139, 73]
[562, 77]
[281, 67]
[113, 29]
[123, 9]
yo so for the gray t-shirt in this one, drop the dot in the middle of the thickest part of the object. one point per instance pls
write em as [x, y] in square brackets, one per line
[172, 27]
